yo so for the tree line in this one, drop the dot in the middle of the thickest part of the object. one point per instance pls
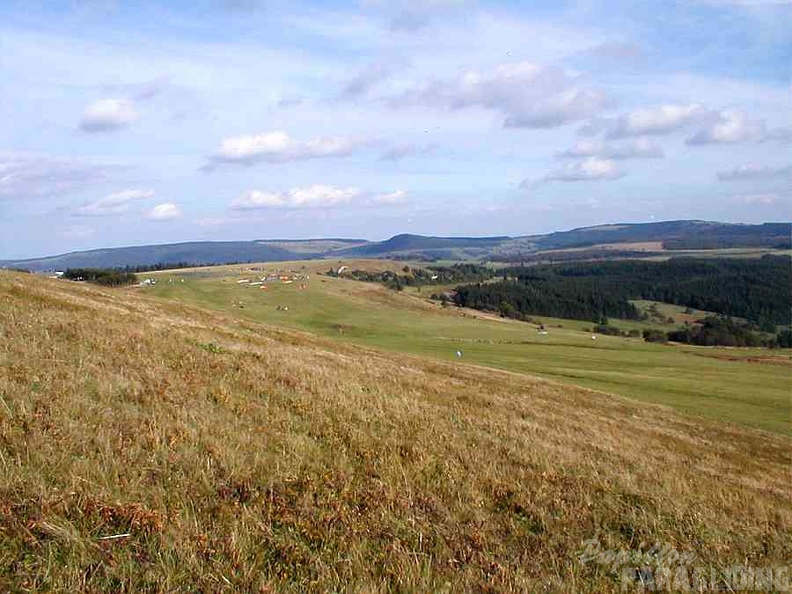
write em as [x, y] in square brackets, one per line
[754, 289]
[107, 277]
[431, 275]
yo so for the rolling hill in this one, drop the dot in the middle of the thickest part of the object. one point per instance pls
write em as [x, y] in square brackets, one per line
[674, 235]
[149, 445]
[619, 240]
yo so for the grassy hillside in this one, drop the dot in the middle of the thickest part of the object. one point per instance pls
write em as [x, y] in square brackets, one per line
[152, 446]
[754, 391]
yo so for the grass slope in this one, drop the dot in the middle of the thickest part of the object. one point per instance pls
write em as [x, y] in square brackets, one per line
[753, 392]
[232, 456]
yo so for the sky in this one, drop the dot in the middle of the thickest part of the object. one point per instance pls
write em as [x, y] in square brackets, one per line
[134, 122]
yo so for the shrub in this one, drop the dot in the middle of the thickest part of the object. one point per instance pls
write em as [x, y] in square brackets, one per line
[652, 335]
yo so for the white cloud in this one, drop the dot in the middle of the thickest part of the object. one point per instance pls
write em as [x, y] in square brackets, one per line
[164, 212]
[391, 198]
[657, 120]
[316, 196]
[728, 127]
[112, 204]
[255, 199]
[589, 169]
[640, 148]
[716, 126]
[759, 199]
[755, 172]
[107, 115]
[321, 196]
[529, 95]
[279, 147]
[24, 176]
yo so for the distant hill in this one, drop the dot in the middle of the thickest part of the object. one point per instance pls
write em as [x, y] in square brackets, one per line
[406, 244]
[604, 241]
[674, 235]
[199, 252]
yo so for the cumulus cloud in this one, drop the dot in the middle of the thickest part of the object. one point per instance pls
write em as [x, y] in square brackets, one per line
[715, 126]
[391, 198]
[589, 169]
[640, 148]
[24, 176]
[728, 127]
[167, 211]
[649, 121]
[107, 115]
[755, 172]
[529, 95]
[316, 196]
[279, 147]
[112, 204]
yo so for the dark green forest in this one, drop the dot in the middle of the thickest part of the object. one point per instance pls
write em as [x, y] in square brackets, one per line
[101, 276]
[431, 275]
[757, 290]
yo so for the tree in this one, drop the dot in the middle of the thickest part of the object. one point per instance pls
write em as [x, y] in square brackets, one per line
[506, 310]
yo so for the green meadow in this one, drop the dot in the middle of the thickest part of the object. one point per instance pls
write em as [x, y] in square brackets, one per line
[744, 386]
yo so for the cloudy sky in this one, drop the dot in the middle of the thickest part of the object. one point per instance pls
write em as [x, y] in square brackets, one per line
[128, 123]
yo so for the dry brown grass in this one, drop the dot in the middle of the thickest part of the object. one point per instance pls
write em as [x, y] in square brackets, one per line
[241, 457]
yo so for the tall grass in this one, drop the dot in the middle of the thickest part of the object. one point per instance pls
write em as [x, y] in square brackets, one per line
[135, 458]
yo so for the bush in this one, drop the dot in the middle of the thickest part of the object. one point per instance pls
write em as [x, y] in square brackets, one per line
[720, 331]
[506, 310]
[651, 335]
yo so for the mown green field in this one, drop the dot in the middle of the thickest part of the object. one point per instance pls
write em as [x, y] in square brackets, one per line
[745, 386]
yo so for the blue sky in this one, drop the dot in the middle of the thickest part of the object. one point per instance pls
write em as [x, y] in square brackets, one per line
[129, 122]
